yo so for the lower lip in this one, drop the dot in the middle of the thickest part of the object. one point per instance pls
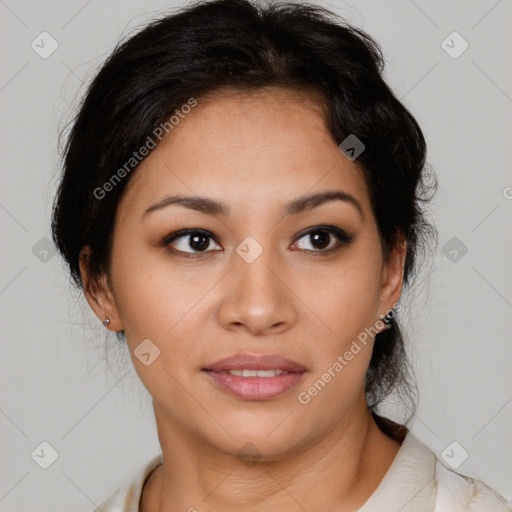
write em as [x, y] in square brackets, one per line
[255, 388]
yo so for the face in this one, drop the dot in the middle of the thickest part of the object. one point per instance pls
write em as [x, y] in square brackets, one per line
[249, 274]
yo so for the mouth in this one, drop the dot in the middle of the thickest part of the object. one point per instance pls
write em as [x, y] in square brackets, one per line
[255, 377]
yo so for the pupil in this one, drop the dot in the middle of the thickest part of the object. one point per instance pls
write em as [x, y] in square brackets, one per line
[201, 245]
[321, 239]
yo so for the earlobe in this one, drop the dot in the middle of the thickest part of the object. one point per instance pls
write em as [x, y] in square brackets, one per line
[98, 294]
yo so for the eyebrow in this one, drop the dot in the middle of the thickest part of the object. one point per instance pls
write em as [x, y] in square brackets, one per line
[210, 206]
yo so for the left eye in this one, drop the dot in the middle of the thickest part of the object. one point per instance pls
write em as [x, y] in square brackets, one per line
[324, 239]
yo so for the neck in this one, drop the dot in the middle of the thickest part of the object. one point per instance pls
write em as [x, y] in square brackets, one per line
[345, 467]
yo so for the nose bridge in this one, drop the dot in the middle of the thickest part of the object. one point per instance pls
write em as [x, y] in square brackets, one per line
[253, 262]
[256, 297]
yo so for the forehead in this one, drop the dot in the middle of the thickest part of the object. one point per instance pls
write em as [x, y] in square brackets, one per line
[244, 148]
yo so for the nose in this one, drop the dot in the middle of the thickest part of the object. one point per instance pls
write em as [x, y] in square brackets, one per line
[256, 296]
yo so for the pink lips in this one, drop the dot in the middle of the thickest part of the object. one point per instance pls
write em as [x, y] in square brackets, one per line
[255, 388]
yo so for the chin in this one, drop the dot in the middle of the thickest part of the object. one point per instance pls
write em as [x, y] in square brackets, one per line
[260, 435]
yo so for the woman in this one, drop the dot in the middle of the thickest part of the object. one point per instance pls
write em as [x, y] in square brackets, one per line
[242, 204]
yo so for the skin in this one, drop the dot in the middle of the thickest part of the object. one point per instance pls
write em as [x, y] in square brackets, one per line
[255, 152]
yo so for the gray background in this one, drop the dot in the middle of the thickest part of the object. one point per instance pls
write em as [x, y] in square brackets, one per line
[65, 382]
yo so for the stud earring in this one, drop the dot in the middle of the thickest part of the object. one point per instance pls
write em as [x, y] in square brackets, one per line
[106, 322]
[387, 322]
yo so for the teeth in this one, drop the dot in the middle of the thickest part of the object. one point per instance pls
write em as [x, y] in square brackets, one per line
[255, 373]
[269, 373]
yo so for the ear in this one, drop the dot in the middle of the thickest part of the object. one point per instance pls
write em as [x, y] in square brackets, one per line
[392, 276]
[98, 293]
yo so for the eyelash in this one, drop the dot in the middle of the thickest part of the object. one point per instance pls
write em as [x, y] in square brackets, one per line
[342, 237]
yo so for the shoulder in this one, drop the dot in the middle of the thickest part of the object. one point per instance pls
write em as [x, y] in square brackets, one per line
[427, 484]
[127, 496]
[457, 492]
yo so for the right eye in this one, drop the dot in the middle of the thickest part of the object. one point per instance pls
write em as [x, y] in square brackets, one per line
[189, 242]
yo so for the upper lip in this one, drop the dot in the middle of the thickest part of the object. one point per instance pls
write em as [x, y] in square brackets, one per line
[246, 361]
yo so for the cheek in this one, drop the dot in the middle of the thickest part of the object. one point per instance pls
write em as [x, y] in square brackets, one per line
[157, 302]
[145, 300]
[347, 310]
[157, 298]
[346, 295]
[345, 299]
